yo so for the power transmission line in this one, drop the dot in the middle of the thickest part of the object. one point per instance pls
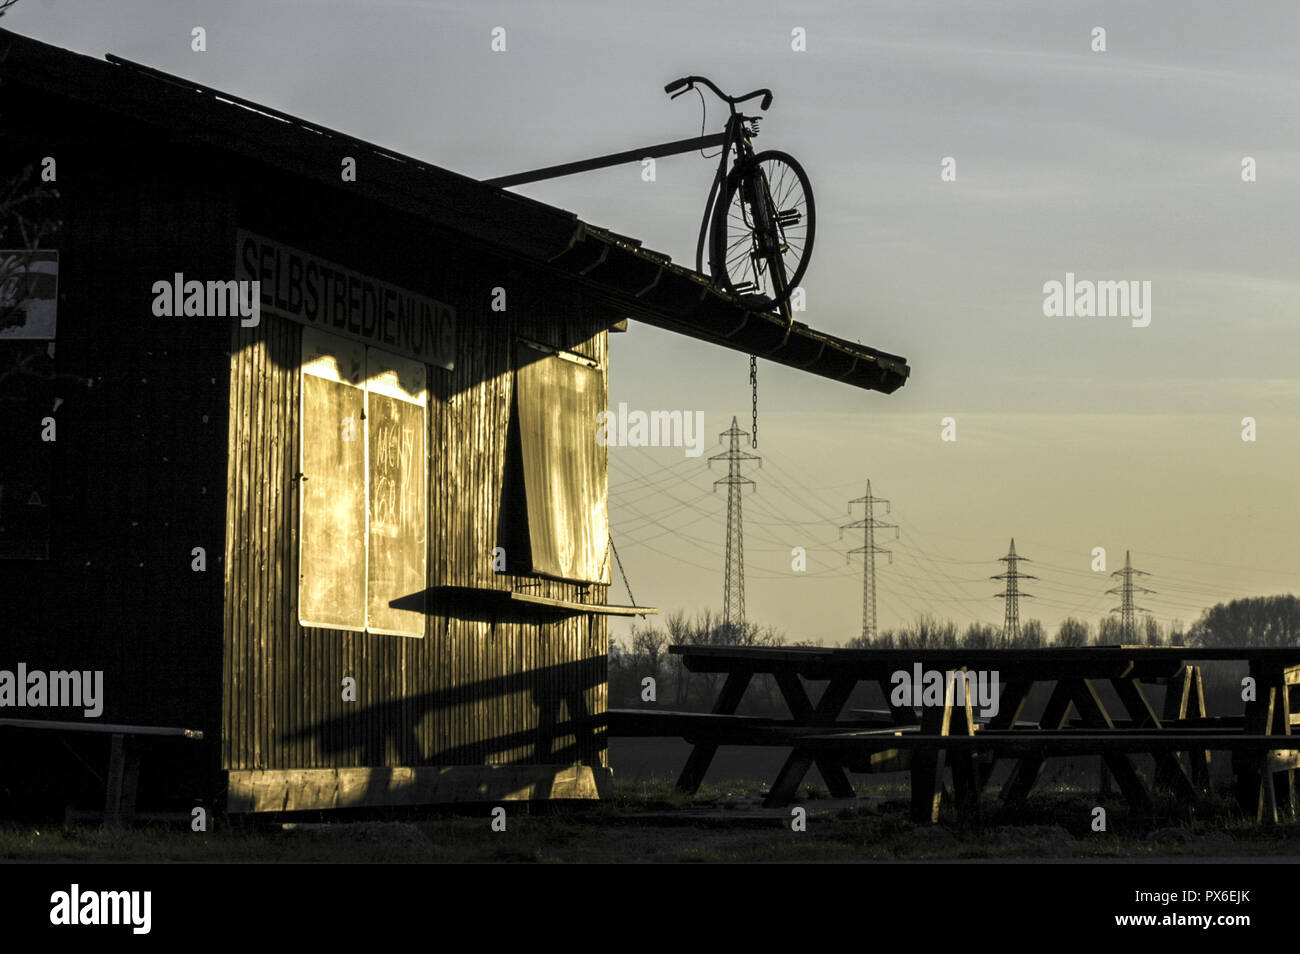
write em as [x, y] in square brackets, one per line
[1011, 593]
[733, 584]
[1126, 589]
[868, 525]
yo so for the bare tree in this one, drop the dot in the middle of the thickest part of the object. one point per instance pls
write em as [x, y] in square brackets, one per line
[1073, 632]
[1151, 630]
[649, 643]
[980, 636]
[1032, 635]
[1110, 631]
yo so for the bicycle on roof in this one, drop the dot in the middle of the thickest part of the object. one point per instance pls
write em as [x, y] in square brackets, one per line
[759, 220]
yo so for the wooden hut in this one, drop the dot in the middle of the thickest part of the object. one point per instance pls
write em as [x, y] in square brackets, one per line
[357, 539]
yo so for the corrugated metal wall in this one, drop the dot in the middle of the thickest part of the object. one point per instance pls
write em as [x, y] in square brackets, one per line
[476, 689]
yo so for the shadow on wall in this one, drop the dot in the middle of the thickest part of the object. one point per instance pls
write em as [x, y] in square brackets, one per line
[557, 697]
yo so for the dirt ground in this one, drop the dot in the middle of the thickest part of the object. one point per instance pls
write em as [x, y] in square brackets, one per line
[648, 822]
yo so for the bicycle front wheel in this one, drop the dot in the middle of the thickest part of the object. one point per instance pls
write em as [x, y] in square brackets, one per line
[763, 230]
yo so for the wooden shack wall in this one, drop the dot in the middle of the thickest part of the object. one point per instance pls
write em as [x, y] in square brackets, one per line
[478, 689]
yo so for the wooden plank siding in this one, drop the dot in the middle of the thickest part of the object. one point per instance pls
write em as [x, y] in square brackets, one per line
[480, 688]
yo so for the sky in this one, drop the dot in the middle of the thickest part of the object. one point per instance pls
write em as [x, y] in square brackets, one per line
[1071, 433]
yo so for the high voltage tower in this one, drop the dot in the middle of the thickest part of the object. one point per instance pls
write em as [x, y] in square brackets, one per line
[1127, 611]
[868, 525]
[1011, 592]
[733, 587]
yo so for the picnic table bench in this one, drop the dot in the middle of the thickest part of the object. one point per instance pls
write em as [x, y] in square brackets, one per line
[121, 784]
[1261, 739]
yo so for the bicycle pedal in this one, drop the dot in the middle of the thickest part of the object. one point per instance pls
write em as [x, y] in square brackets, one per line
[789, 217]
[745, 288]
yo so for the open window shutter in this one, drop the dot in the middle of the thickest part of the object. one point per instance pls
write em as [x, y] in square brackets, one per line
[565, 470]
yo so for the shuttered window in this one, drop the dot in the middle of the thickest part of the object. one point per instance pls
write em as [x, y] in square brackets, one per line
[363, 493]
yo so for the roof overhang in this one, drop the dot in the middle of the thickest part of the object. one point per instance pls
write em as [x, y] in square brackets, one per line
[648, 287]
[616, 270]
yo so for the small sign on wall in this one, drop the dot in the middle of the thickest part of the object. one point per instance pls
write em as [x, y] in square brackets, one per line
[29, 294]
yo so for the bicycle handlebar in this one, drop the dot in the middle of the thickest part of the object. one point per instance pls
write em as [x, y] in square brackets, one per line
[690, 81]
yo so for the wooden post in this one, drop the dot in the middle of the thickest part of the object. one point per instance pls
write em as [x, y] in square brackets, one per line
[733, 690]
[123, 781]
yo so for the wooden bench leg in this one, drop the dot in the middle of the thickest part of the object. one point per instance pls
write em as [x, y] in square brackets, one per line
[697, 763]
[965, 781]
[1260, 790]
[123, 781]
[1284, 721]
[1200, 759]
[927, 768]
[1094, 715]
[1262, 784]
[1010, 706]
[1184, 699]
[786, 786]
[833, 699]
[1168, 769]
[1025, 773]
[928, 763]
[1178, 693]
[1249, 781]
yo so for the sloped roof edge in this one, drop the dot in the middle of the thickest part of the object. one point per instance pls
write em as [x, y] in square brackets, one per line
[644, 284]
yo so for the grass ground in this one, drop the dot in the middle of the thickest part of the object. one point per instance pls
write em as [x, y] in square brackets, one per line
[650, 822]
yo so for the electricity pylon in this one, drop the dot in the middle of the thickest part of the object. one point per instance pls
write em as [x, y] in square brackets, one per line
[733, 586]
[868, 525]
[1011, 593]
[1127, 611]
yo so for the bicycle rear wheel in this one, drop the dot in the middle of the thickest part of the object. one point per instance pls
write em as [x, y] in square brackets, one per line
[763, 230]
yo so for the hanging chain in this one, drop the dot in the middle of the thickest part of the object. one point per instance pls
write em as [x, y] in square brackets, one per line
[626, 585]
[753, 387]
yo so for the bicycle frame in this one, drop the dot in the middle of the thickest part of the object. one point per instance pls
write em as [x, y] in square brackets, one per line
[734, 136]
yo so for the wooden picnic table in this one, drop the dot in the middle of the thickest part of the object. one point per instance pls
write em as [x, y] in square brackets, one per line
[1258, 737]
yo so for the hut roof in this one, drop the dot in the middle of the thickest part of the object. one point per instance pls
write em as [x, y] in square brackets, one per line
[615, 269]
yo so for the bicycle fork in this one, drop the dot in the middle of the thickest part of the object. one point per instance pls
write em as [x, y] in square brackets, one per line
[771, 245]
